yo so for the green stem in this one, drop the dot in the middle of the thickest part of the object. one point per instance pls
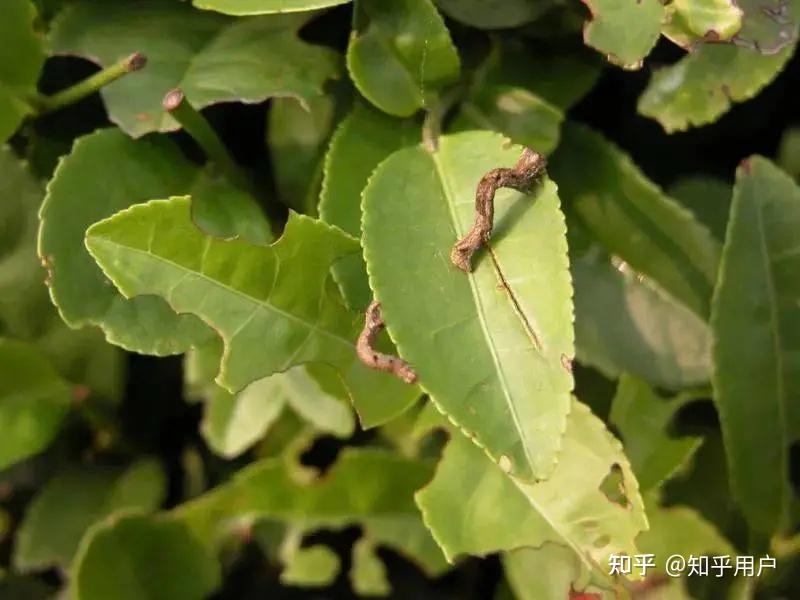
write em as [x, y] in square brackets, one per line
[200, 130]
[90, 85]
[436, 113]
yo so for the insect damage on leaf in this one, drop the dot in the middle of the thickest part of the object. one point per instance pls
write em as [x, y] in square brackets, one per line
[520, 178]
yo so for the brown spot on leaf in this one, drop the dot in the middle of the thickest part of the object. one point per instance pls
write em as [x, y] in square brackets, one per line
[746, 166]
[573, 595]
[566, 363]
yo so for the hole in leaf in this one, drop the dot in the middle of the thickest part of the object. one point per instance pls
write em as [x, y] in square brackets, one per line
[613, 486]
[601, 542]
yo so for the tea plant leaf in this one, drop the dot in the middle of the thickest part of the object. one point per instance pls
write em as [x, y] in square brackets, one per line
[368, 573]
[494, 14]
[708, 198]
[642, 419]
[459, 506]
[566, 574]
[274, 306]
[107, 172]
[264, 7]
[296, 138]
[789, 152]
[21, 59]
[207, 55]
[623, 31]
[361, 142]
[130, 557]
[491, 347]
[633, 219]
[624, 324]
[313, 566]
[234, 422]
[524, 96]
[400, 54]
[73, 500]
[768, 25]
[754, 322]
[693, 20]
[366, 486]
[703, 85]
[34, 400]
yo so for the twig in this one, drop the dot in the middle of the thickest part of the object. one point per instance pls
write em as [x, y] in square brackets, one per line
[373, 324]
[521, 178]
[176, 104]
[90, 85]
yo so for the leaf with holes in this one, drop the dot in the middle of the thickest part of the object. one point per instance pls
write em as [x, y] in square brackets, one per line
[207, 55]
[492, 347]
[459, 506]
[274, 306]
[757, 341]
[643, 420]
[400, 54]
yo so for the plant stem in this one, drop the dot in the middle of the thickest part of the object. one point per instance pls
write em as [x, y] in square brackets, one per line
[90, 85]
[195, 124]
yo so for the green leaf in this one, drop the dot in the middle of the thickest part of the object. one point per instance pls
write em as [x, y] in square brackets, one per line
[643, 420]
[107, 172]
[21, 59]
[264, 7]
[471, 506]
[789, 152]
[314, 566]
[625, 324]
[708, 198]
[131, 557]
[361, 142]
[209, 56]
[296, 137]
[703, 85]
[368, 573]
[565, 573]
[691, 21]
[524, 96]
[494, 14]
[59, 516]
[633, 219]
[678, 530]
[34, 400]
[623, 31]
[366, 486]
[233, 422]
[400, 54]
[768, 25]
[280, 293]
[756, 329]
[490, 346]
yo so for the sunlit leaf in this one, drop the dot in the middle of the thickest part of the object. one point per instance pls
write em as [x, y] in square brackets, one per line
[756, 328]
[400, 54]
[460, 505]
[33, 401]
[274, 306]
[314, 566]
[207, 55]
[623, 31]
[707, 20]
[368, 573]
[491, 347]
[264, 7]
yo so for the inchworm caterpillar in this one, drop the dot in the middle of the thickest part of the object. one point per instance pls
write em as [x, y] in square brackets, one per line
[521, 178]
[373, 324]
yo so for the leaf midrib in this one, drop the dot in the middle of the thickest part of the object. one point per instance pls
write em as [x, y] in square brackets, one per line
[257, 301]
[481, 317]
